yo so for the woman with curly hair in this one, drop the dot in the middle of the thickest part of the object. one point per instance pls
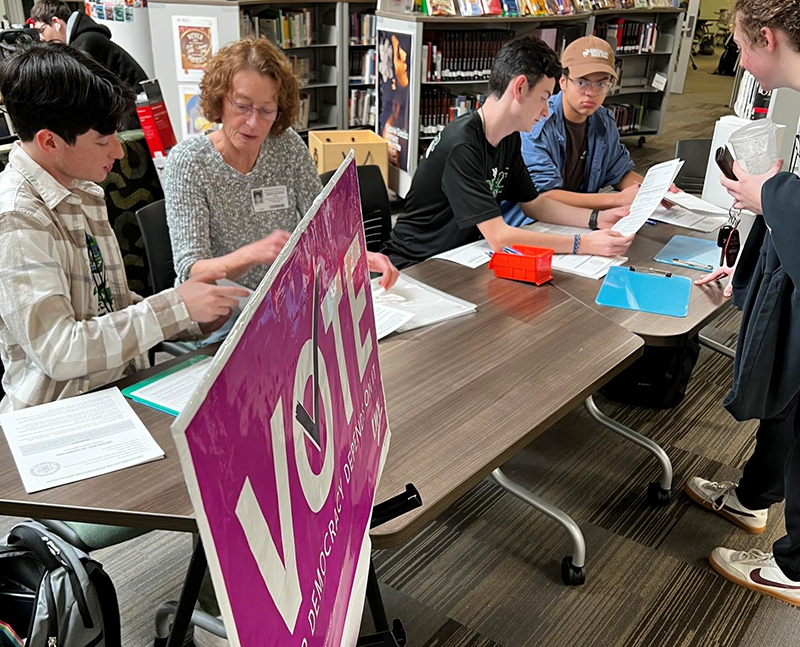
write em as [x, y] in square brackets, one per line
[233, 196]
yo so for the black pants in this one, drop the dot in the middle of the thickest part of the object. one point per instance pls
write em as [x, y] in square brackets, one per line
[773, 473]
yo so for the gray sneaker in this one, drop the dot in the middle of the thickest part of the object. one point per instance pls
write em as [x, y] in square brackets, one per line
[721, 498]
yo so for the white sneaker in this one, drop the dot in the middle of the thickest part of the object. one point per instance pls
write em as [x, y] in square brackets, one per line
[203, 638]
[756, 571]
[722, 499]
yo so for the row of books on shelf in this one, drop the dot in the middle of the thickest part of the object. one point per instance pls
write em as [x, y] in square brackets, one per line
[752, 102]
[461, 55]
[362, 66]
[362, 108]
[303, 112]
[559, 37]
[629, 36]
[513, 8]
[628, 116]
[438, 107]
[286, 28]
[363, 28]
[301, 68]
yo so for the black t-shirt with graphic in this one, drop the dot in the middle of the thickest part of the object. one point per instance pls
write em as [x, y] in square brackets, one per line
[459, 184]
[577, 149]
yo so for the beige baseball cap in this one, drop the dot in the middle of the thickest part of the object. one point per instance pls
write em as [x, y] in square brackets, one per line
[588, 55]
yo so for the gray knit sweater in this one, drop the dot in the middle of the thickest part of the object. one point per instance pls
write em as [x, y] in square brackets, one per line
[210, 208]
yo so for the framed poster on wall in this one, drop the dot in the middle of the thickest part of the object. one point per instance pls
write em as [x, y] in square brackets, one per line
[196, 40]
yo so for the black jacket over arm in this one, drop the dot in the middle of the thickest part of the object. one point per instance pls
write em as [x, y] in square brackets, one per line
[766, 373]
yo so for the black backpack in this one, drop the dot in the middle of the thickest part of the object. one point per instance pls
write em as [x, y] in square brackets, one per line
[727, 62]
[658, 379]
[54, 595]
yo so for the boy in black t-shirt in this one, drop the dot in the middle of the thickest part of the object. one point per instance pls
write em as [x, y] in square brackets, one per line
[475, 163]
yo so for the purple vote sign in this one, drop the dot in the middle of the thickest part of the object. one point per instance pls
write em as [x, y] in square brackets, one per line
[283, 442]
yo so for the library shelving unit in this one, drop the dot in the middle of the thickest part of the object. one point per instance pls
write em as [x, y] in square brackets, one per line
[404, 112]
[315, 48]
[640, 107]
[359, 91]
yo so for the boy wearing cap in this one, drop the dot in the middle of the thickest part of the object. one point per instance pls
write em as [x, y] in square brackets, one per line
[576, 151]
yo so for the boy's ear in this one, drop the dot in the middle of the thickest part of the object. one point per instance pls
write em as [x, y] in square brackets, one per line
[46, 141]
[519, 86]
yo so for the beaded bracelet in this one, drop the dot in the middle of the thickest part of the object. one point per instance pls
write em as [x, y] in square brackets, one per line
[576, 243]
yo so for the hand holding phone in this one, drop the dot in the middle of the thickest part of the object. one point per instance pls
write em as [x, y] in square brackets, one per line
[724, 160]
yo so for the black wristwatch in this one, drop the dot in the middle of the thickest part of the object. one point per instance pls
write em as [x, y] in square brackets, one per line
[593, 220]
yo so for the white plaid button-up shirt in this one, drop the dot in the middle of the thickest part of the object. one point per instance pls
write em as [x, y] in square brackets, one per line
[53, 342]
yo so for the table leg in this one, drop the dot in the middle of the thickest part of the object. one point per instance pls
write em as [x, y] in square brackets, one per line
[657, 493]
[189, 593]
[375, 600]
[571, 566]
[722, 349]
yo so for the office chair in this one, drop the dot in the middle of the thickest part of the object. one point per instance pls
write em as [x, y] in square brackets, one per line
[152, 221]
[376, 213]
[694, 153]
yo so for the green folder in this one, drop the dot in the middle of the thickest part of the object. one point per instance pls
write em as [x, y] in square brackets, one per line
[128, 392]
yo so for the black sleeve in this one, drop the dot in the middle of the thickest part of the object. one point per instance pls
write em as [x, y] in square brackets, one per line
[779, 197]
[464, 184]
[520, 187]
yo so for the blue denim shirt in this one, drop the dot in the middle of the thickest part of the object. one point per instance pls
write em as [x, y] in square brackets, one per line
[544, 150]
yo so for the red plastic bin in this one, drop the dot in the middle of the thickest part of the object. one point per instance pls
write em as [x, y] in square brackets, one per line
[533, 264]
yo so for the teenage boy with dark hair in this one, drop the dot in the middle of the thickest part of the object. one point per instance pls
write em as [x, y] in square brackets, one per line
[576, 151]
[68, 322]
[58, 23]
[766, 374]
[475, 163]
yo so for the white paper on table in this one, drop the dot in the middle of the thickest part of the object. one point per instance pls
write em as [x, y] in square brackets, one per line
[693, 203]
[681, 217]
[76, 438]
[388, 319]
[242, 301]
[654, 187]
[427, 304]
[471, 255]
[173, 391]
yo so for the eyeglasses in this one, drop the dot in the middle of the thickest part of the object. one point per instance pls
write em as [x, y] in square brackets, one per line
[602, 87]
[246, 111]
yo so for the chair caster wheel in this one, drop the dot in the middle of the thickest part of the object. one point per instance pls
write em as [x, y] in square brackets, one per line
[572, 575]
[657, 495]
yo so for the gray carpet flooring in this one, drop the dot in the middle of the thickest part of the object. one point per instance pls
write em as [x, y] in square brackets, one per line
[487, 572]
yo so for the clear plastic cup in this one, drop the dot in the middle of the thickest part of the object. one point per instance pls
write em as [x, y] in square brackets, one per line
[755, 146]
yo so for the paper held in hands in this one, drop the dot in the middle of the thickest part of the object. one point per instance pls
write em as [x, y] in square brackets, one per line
[77, 438]
[655, 186]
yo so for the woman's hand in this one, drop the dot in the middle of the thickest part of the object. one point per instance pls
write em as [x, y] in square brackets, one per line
[746, 191]
[266, 250]
[718, 274]
[381, 263]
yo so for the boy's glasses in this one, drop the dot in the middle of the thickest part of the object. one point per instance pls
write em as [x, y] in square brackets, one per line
[601, 87]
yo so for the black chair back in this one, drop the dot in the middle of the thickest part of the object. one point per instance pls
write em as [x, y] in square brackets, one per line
[376, 212]
[155, 235]
[694, 153]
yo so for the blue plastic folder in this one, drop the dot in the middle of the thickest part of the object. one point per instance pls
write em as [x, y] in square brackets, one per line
[693, 253]
[130, 391]
[632, 289]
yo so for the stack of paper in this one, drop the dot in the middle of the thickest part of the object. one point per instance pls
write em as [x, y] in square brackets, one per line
[654, 187]
[471, 255]
[171, 390]
[77, 438]
[585, 265]
[425, 304]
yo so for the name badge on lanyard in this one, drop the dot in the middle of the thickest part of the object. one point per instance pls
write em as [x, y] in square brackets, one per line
[270, 198]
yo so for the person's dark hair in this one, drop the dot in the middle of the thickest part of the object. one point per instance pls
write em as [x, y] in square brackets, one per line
[45, 10]
[53, 86]
[526, 55]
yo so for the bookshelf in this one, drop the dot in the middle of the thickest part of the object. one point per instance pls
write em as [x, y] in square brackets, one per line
[646, 44]
[359, 92]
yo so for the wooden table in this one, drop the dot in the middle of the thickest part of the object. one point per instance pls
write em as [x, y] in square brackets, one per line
[463, 396]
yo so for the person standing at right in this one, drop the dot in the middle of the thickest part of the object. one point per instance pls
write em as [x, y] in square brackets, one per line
[766, 377]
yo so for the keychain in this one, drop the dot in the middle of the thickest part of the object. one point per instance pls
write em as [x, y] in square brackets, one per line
[728, 240]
